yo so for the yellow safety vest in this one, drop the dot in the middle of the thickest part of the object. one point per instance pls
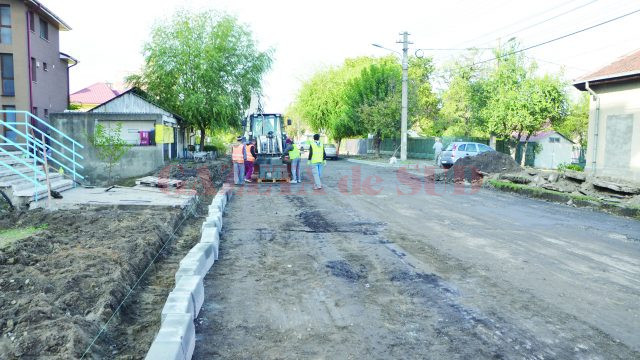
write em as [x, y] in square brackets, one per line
[294, 153]
[318, 153]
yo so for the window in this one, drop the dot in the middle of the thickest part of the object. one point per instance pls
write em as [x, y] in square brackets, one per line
[34, 111]
[9, 134]
[44, 29]
[484, 148]
[6, 62]
[46, 113]
[44, 66]
[32, 24]
[554, 139]
[471, 148]
[462, 147]
[5, 24]
[33, 70]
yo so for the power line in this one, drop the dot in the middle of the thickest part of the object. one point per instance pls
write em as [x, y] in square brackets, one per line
[551, 18]
[518, 22]
[559, 38]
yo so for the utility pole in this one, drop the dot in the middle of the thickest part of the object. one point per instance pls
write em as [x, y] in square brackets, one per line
[405, 96]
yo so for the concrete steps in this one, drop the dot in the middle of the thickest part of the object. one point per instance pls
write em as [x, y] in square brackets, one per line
[22, 191]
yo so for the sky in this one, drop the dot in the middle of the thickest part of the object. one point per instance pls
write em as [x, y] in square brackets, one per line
[107, 37]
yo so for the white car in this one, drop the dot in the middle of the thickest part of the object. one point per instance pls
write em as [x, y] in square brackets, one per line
[331, 151]
[457, 150]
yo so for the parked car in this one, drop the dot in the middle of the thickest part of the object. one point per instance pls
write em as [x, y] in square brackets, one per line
[331, 151]
[303, 145]
[458, 150]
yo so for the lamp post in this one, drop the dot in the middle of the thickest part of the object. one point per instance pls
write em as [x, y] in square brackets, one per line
[405, 95]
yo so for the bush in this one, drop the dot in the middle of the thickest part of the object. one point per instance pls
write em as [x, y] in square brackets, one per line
[574, 167]
[210, 148]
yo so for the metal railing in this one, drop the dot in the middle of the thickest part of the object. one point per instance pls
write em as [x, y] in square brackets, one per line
[35, 143]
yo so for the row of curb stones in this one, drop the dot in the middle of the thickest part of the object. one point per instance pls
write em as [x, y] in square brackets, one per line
[176, 339]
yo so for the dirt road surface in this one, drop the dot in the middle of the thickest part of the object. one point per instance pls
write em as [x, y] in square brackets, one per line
[379, 275]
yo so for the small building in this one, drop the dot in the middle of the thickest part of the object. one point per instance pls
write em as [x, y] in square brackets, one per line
[614, 118]
[549, 149]
[154, 133]
[94, 95]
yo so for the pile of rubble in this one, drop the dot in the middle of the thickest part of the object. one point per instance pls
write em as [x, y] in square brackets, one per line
[577, 183]
[474, 169]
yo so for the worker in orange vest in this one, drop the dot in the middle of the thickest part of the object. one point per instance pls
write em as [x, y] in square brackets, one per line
[251, 158]
[238, 157]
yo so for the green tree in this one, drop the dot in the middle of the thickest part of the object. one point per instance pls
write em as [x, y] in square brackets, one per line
[321, 101]
[203, 66]
[462, 101]
[109, 145]
[516, 101]
[576, 124]
[368, 94]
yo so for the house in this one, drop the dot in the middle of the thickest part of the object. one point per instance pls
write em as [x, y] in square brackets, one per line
[614, 118]
[141, 119]
[94, 95]
[547, 149]
[35, 74]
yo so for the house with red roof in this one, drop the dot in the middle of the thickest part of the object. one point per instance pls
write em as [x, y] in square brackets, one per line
[614, 118]
[94, 95]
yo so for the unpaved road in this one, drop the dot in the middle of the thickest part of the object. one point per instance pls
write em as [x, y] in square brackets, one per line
[338, 275]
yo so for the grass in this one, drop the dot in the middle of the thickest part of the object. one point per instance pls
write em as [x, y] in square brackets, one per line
[9, 236]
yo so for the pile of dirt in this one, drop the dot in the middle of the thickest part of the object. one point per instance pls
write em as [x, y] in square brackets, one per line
[473, 168]
[201, 177]
[63, 273]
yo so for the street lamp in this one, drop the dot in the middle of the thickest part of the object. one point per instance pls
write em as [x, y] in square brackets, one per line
[405, 67]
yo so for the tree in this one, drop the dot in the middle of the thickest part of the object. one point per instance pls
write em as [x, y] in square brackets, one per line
[109, 145]
[321, 101]
[516, 101]
[576, 124]
[369, 93]
[204, 67]
[462, 102]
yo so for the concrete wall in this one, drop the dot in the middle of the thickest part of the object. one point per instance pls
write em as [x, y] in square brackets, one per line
[140, 160]
[353, 147]
[553, 153]
[617, 149]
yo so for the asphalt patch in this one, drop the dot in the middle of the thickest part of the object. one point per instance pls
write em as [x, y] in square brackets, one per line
[314, 220]
[342, 269]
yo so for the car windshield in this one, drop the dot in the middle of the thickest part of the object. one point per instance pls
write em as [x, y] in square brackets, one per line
[263, 124]
[450, 147]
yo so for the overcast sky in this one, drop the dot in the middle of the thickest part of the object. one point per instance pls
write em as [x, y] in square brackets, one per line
[107, 36]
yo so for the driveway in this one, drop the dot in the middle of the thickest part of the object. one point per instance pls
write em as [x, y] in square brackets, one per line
[382, 265]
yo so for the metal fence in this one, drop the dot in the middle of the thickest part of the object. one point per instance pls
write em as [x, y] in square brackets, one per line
[422, 148]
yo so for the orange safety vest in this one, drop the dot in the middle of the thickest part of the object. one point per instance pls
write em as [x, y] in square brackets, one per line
[249, 156]
[236, 154]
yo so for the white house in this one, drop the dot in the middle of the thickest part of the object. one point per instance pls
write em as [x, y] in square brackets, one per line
[551, 150]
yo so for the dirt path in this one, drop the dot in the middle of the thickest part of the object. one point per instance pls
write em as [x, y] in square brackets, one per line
[388, 276]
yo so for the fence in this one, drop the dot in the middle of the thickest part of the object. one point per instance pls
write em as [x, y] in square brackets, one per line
[422, 148]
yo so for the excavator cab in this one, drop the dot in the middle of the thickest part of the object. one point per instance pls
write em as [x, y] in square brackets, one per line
[267, 131]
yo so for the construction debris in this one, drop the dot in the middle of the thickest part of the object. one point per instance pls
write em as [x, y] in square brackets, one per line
[153, 181]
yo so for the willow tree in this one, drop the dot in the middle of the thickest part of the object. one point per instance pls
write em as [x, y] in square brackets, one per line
[204, 67]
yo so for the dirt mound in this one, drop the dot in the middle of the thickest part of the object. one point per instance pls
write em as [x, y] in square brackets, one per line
[63, 274]
[491, 162]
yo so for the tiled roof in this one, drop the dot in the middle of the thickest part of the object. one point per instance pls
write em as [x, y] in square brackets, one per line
[97, 93]
[540, 135]
[627, 64]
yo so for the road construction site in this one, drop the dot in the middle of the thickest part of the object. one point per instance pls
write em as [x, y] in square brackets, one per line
[440, 272]
[378, 264]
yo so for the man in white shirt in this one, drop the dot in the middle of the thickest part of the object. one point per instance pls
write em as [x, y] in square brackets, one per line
[437, 151]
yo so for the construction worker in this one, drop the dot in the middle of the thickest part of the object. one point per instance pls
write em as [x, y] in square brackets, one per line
[294, 156]
[318, 158]
[238, 157]
[251, 158]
